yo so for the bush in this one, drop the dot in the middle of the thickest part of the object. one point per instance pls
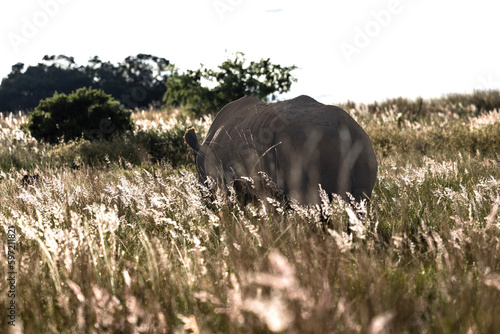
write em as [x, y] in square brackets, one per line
[166, 145]
[142, 147]
[85, 112]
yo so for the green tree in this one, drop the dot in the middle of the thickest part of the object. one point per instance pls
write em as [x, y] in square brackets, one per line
[185, 89]
[138, 81]
[85, 112]
[232, 80]
[24, 87]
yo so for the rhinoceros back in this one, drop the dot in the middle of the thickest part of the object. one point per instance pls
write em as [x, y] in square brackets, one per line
[299, 144]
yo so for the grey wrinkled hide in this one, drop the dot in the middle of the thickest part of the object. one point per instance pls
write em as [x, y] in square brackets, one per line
[299, 144]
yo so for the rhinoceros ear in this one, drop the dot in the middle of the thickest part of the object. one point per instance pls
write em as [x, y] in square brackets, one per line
[191, 139]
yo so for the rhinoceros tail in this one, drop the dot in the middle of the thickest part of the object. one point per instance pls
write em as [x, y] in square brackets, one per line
[191, 139]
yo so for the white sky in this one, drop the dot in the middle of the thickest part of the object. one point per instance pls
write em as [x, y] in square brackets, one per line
[360, 50]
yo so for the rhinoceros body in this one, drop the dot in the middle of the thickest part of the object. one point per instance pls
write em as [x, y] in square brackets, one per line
[299, 144]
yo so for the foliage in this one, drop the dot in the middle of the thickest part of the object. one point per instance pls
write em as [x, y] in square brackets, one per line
[141, 148]
[185, 90]
[233, 79]
[85, 112]
[128, 248]
[138, 81]
[166, 146]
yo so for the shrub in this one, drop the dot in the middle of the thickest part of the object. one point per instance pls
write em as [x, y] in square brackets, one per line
[166, 145]
[85, 112]
[142, 147]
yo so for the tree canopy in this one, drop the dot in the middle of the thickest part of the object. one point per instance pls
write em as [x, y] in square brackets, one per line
[232, 80]
[137, 81]
[144, 80]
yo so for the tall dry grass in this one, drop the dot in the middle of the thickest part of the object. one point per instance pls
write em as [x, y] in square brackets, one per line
[133, 248]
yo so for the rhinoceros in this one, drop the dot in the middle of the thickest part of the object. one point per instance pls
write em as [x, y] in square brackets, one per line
[299, 144]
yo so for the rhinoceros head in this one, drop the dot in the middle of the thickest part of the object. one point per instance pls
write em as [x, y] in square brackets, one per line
[192, 140]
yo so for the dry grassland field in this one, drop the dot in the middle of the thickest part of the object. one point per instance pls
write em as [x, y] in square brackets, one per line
[116, 237]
